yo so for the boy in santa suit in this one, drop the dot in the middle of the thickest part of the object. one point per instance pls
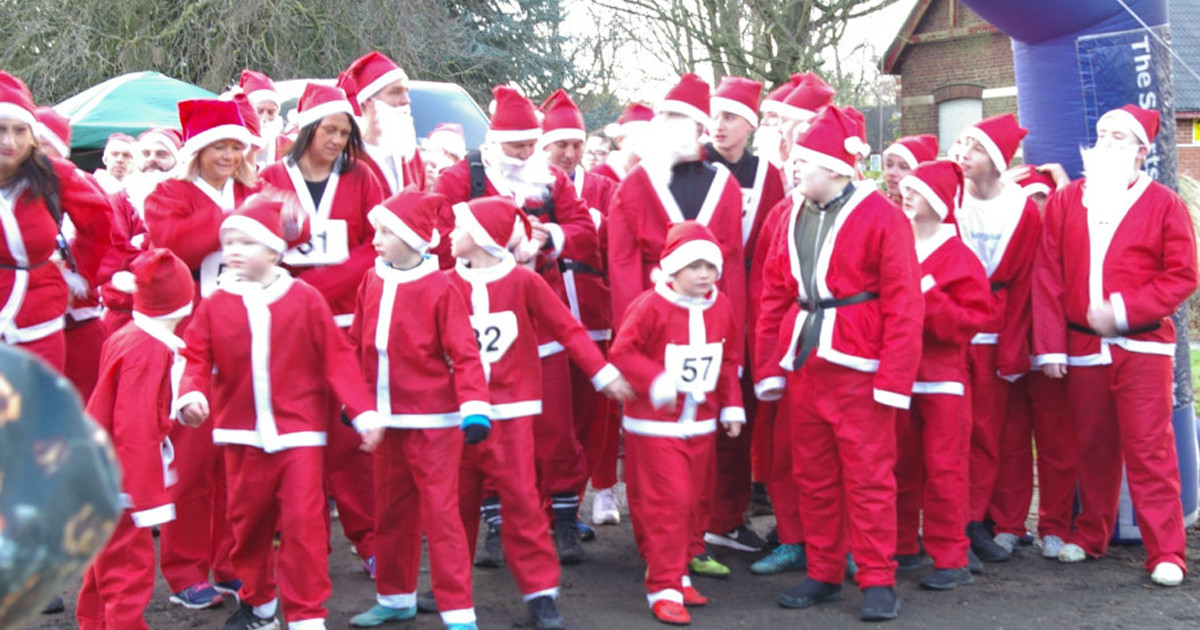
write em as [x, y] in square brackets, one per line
[380, 87]
[680, 345]
[263, 355]
[1000, 225]
[511, 310]
[1118, 256]
[843, 335]
[134, 402]
[902, 157]
[933, 435]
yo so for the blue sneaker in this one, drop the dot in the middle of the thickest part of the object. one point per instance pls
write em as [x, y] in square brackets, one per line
[586, 532]
[462, 626]
[229, 588]
[379, 615]
[198, 596]
[783, 558]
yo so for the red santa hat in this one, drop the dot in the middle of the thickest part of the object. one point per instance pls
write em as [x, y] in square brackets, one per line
[163, 285]
[206, 121]
[514, 118]
[774, 99]
[999, 136]
[1037, 183]
[835, 139]
[1142, 123]
[449, 137]
[411, 215]
[914, 149]
[633, 117]
[117, 139]
[940, 182]
[371, 73]
[689, 97]
[319, 101]
[54, 129]
[250, 119]
[807, 98]
[258, 87]
[686, 243]
[260, 218]
[16, 103]
[169, 139]
[737, 95]
[561, 119]
[491, 221]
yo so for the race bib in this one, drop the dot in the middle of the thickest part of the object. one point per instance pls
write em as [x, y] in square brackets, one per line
[328, 245]
[495, 334]
[210, 269]
[695, 368]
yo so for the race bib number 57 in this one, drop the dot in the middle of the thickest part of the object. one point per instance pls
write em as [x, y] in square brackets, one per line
[495, 334]
[695, 368]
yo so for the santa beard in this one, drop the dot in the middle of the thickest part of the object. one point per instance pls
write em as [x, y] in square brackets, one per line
[767, 143]
[1108, 170]
[667, 142]
[140, 184]
[270, 129]
[524, 179]
[396, 129]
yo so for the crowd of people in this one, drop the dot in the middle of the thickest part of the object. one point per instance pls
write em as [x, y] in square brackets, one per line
[272, 313]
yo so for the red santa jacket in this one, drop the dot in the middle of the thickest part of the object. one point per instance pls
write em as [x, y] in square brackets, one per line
[512, 308]
[417, 348]
[870, 250]
[640, 214]
[411, 170]
[1145, 266]
[278, 357]
[958, 304]
[140, 367]
[585, 281]
[1003, 233]
[347, 199]
[673, 347]
[775, 219]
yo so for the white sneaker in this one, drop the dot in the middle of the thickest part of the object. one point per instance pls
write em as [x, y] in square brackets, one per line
[1072, 553]
[604, 508]
[1052, 546]
[1167, 574]
[1007, 541]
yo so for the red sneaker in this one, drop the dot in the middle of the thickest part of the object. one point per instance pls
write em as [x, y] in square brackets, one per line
[672, 613]
[692, 597]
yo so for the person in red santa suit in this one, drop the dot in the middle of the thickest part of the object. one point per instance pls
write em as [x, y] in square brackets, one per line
[443, 148]
[840, 327]
[118, 162]
[933, 436]
[380, 87]
[37, 196]
[512, 312]
[134, 402]
[260, 91]
[800, 106]
[769, 143]
[681, 347]
[901, 157]
[1117, 258]
[184, 214]
[596, 150]
[1000, 224]
[263, 357]
[628, 135]
[417, 347]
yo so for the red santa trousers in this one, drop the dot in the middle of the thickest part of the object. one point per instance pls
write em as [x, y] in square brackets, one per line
[844, 456]
[731, 487]
[781, 486]
[1036, 411]
[761, 447]
[199, 540]
[118, 586]
[598, 425]
[51, 349]
[416, 489]
[505, 459]
[561, 462]
[280, 490]
[989, 404]
[665, 479]
[933, 439]
[348, 474]
[1123, 412]
[82, 342]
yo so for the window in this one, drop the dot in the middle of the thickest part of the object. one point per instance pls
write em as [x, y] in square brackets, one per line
[954, 115]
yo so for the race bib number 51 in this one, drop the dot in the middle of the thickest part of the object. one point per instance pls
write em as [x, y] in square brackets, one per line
[495, 334]
[695, 368]
[328, 245]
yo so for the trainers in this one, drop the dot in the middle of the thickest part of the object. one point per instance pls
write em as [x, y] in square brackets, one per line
[426, 604]
[1072, 553]
[705, 564]
[566, 540]
[228, 588]
[909, 561]
[245, 619]
[379, 614]
[692, 597]
[470, 625]
[809, 593]
[1051, 546]
[879, 604]
[670, 612]
[544, 613]
[604, 508]
[983, 545]
[783, 558]
[1167, 574]
[947, 579]
[1007, 542]
[492, 554]
[973, 562]
[586, 533]
[740, 538]
[851, 567]
[198, 596]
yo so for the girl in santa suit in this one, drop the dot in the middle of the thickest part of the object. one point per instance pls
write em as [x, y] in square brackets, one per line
[264, 356]
[336, 191]
[35, 192]
[680, 345]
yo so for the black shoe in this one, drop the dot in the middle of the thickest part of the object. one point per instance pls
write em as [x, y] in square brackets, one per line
[947, 579]
[426, 604]
[740, 538]
[544, 614]
[983, 545]
[55, 606]
[879, 604]
[810, 592]
[566, 540]
[974, 563]
[245, 619]
[909, 561]
[492, 554]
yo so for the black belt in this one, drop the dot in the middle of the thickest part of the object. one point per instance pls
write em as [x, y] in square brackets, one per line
[999, 286]
[20, 268]
[817, 308]
[1132, 331]
[578, 267]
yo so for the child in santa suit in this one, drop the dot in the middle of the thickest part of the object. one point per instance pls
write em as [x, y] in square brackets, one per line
[134, 402]
[680, 345]
[933, 435]
[417, 348]
[265, 351]
[510, 307]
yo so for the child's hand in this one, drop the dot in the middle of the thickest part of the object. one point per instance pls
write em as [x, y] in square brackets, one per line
[371, 440]
[619, 390]
[733, 429]
[194, 414]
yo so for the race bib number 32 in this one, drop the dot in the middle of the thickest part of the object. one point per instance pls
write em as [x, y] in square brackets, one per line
[695, 368]
[495, 334]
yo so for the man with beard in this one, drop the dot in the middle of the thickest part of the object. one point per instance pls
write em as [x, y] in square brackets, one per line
[260, 91]
[157, 149]
[381, 89]
[629, 133]
[118, 162]
[769, 143]
[1118, 256]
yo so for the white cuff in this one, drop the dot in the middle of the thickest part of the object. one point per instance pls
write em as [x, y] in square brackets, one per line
[1119, 312]
[927, 283]
[154, 516]
[475, 408]
[187, 399]
[558, 240]
[368, 420]
[662, 391]
[733, 414]
[770, 388]
[605, 376]
[892, 399]
[1050, 359]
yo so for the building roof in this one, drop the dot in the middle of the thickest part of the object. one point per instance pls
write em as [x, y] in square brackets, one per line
[1184, 17]
[893, 57]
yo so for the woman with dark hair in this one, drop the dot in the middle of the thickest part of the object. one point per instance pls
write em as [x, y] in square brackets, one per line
[35, 264]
